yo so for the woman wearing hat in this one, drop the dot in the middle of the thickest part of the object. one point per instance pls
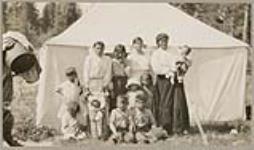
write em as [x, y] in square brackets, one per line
[172, 111]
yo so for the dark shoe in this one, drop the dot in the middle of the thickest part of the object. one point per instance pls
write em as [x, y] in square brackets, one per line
[14, 143]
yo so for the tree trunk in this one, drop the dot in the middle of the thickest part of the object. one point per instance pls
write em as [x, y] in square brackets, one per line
[245, 23]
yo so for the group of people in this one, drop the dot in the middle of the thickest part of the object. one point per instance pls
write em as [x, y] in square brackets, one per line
[138, 97]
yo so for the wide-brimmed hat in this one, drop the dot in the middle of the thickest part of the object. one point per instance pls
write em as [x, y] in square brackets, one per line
[133, 81]
[141, 96]
[70, 71]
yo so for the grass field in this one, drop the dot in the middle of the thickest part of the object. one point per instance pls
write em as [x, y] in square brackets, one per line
[24, 105]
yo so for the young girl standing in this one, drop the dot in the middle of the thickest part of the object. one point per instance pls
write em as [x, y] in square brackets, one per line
[119, 74]
[71, 127]
[71, 90]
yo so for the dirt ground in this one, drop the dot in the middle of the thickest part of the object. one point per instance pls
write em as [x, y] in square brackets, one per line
[26, 132]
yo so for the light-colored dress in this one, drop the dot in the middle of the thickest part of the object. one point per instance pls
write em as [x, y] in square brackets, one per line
[97, 115]
[97, 72]
[70, 92]
[70, 127]
[139, 64]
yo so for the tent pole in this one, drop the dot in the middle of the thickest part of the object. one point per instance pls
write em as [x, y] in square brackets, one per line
[197, 121]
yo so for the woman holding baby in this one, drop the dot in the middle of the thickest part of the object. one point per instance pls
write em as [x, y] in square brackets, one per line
[172, 111]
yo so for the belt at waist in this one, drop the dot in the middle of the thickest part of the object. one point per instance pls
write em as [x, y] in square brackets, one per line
[96, 78]
[161, 76]
[121, 129]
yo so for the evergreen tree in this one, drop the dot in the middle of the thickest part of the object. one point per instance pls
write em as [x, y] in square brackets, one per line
[3, 24]
[22, 17]
[65, 15]
[48, 18]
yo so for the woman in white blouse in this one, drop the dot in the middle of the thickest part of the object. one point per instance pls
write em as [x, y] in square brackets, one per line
[138, 60]
[97, 72]
[97, 77]
[172, 111]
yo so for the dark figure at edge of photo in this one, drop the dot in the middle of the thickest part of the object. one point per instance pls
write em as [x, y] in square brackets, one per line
[18, 60]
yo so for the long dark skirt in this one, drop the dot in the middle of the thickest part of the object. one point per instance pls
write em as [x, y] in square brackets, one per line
[172, 111]
[119, 87]
[181, 114]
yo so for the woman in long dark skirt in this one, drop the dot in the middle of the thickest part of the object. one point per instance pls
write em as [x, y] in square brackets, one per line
[181, 116]
[172, 108]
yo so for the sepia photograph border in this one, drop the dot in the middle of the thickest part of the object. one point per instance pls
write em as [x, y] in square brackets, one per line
[251, 2]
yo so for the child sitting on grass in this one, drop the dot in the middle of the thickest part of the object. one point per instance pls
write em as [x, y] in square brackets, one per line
[141, 120]
[142, 123]
[71, 128]
[119, 121]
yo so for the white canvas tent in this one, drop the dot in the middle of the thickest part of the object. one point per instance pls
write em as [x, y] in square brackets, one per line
[215, 83]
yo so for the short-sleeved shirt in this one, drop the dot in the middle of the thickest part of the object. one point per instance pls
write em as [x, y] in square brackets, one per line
[143, 118]
[119, 118]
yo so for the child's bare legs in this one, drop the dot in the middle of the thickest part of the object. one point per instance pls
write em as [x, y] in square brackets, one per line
[96, 128]
[93, 128]
[122, 137]
[99, 127]
[129, 137]
[141, 137]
